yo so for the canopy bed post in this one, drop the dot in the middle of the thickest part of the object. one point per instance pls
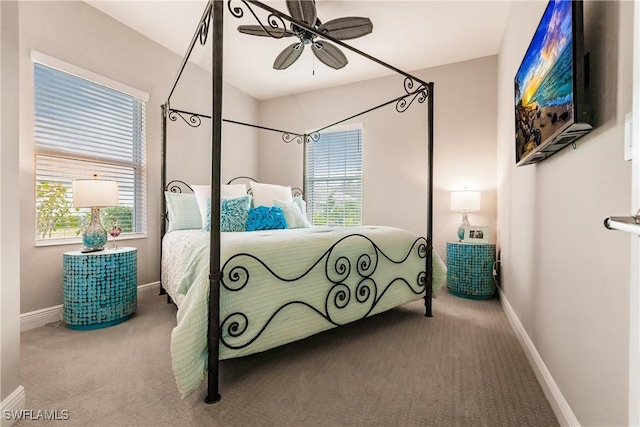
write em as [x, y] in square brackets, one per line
[429, 291]
[305, 141]
[163, 179]
[213, 333]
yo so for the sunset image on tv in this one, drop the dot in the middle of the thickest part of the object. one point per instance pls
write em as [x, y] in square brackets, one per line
[544, 82]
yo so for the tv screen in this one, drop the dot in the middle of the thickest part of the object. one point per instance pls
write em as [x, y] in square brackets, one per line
[549, 104]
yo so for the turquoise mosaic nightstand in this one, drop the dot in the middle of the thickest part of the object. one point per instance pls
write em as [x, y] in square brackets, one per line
[100, 288]
[470, 269]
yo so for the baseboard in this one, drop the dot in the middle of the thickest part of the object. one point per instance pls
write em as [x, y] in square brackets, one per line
[11, 406]
[149, 287]
[38, 318]
[558, 403]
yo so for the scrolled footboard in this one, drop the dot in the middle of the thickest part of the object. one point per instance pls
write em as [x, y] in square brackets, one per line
[343, 285]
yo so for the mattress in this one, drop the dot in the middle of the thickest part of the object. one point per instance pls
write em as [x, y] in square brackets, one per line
[279, 286]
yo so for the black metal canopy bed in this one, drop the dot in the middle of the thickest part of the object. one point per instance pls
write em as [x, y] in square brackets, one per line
[237, 296]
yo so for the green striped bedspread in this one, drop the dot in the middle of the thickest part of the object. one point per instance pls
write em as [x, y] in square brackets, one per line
[279, 286]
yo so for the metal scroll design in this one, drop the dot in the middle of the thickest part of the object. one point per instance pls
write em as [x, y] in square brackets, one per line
[352, 287]
[276, 27]
[420, 93]
[177, 186]
[288, 137]
[192, 120]
[313, 136]
[203, 28]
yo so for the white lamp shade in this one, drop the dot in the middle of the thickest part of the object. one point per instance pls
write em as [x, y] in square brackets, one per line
[94, 193]
[465, 201]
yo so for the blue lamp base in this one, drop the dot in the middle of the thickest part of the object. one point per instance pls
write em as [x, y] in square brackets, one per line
[94, 237]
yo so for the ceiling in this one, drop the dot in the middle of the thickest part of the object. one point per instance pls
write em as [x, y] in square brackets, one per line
[409, 35]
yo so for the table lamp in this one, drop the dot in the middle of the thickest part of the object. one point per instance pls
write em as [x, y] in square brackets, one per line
[465, 201]
[95, 194]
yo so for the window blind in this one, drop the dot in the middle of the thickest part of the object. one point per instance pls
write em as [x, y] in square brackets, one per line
[334, 178]
[84, 128]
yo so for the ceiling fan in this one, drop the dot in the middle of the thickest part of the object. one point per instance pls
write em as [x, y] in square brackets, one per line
[346, 28]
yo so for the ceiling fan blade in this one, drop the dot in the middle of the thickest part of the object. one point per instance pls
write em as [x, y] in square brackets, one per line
[257, 30]
[288, 56]
[329, 55]
[303, 10]
[350, 27]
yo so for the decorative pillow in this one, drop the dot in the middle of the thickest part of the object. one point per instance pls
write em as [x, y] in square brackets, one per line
[266, 218]
[292, 214]
[298, 200]
[302, 204]
[203, 192]
[234, 213]
[183, 211]
[264, 194]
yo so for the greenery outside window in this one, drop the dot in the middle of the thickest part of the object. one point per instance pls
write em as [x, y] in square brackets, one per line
[334, 177]
[86, 124]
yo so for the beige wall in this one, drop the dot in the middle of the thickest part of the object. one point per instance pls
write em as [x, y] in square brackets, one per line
[394, 144]
[9, 211]
[189, 149]
[81, 35]
[564, 274]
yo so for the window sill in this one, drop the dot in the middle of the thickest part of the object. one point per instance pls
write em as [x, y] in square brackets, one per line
[78, 240]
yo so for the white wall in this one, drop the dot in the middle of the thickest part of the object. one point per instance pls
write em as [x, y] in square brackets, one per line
[9, 212]
[564, 274]
[81, 35]
[394, 144]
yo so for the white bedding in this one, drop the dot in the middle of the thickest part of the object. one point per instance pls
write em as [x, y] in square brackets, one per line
[174, 247]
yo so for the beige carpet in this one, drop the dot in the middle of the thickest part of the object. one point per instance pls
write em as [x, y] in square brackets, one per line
[463, 367]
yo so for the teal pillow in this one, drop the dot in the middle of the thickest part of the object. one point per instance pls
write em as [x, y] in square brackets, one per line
[234, 212]
[183, 211]
[266, 218]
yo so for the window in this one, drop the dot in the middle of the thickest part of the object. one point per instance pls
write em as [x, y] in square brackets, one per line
[334, 178]
[83, 128]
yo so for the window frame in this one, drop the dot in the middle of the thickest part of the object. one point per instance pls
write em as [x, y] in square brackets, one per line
[336, 129]
[75, 71]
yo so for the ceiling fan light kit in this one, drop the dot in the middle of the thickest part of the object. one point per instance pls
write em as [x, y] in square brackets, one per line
[345, 28]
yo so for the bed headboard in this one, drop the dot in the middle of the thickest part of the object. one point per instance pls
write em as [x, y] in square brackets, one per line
[295, 191]
[178, 186]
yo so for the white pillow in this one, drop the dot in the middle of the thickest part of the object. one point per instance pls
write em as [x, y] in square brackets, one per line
[229, 191]
[298, 200]
[292, 214]
[183, 211]
[265, 194]
[203, 192]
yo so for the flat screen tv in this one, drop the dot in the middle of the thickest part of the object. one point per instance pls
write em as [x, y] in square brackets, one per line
[550, 107]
